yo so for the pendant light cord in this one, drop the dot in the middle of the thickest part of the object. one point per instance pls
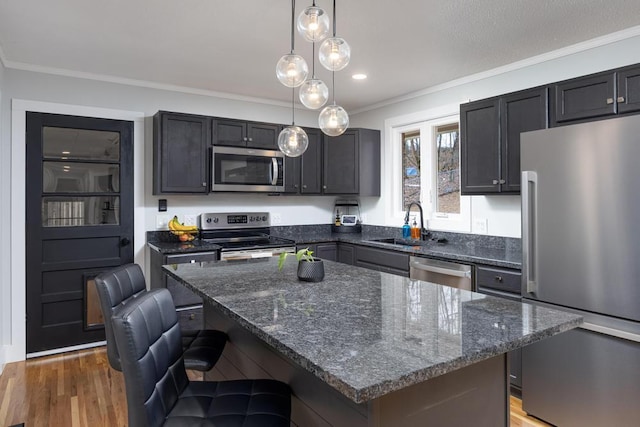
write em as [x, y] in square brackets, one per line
[293, 19]
[334, 18]
[293, 109]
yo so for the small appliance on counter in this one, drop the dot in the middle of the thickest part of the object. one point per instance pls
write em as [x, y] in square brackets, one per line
[346, 215]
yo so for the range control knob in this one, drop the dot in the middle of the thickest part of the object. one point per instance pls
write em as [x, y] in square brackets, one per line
[208, 220]
[264, 217]
[215, 220]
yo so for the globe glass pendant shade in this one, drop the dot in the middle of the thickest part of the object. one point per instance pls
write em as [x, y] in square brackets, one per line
[314, 94]
[333, 120]
[313, 24]
[334, 54]
[293, 141]
[292, 70]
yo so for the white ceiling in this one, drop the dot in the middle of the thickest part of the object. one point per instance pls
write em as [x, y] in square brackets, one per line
[232, 46]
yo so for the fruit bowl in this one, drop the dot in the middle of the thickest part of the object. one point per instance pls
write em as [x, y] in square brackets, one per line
[185, 233]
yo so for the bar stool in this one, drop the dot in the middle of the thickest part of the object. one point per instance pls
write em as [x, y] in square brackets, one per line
[116, 287]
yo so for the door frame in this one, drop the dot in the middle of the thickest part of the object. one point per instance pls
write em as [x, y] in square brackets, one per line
[15, 242]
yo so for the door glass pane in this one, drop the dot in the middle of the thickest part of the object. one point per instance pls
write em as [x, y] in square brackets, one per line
[93, 312]
[75, 177]
[410, 168]
[80, 144]
[80, 211]
[448, 169]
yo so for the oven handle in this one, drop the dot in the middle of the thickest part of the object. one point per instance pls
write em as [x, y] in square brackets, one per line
[274, 171]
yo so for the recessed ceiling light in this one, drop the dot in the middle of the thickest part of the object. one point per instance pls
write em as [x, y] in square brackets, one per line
[359, 76]
[66, 152]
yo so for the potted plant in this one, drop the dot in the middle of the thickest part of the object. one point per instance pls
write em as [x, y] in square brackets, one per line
[310, 269]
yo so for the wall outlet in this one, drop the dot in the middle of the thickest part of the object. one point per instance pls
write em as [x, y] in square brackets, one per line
[162, 222]
[190, 220]
[480, 226]
[276, 218]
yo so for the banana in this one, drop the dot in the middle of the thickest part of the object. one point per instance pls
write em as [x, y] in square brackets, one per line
[180, 229]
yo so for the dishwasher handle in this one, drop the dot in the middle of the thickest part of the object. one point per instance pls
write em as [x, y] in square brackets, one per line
[434, 269]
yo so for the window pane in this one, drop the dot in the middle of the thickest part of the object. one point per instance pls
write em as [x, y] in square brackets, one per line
[80, 144]
[74, 177]
[448, 169]
[80, 211]
[410, 168]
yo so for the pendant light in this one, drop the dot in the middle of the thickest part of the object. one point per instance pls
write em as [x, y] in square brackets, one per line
[293, 140]
[313, 92]
[313, 23]
[292, 69]
[335, 52]
[333, 119]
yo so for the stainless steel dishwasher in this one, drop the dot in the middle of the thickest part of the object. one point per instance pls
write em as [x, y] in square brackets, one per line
[441, 272]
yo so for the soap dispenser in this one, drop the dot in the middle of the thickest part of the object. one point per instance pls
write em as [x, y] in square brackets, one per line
[415, 231]
[406, 230]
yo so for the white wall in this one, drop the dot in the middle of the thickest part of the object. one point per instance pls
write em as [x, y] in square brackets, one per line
[502, 212]
[5, 290]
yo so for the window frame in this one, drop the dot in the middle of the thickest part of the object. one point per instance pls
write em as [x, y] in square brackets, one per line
[426, 122]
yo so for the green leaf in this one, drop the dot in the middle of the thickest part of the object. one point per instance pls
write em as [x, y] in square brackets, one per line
[281, 259]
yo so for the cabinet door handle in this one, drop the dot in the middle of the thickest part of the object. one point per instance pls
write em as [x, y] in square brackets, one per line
[495, 182]
[324, 187]
[502, 181]
[621, 99]
[204, 184]
[244, 139]
[609, 101]
[295, 186]
[304, 185]
[250, 139]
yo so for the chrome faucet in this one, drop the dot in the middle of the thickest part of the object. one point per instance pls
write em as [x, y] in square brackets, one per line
[424, 233]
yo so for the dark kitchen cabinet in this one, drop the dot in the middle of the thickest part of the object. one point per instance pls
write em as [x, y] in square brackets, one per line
[180, 153]
[628, 99]
[503, 283]
[351, 163]
[303, 175]
[382, 260]
[188, 304]
[238, 133]
[346, 253]
[490, 139]
[328, 251]
[587, 97]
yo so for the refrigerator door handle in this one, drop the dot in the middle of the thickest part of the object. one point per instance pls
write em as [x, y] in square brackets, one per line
[529, 190]
[629, 336]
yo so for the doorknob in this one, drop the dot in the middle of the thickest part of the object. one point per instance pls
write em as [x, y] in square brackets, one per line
[124, 241]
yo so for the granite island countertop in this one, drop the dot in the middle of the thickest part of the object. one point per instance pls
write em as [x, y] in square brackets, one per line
[367, 333]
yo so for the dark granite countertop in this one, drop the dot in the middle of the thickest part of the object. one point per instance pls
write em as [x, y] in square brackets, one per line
[367, 333]
[488, 250]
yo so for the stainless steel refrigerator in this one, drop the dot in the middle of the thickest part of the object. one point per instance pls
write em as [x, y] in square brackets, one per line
[581, 252]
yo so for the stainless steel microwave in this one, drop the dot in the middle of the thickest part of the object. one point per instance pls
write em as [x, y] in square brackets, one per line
[247, 169]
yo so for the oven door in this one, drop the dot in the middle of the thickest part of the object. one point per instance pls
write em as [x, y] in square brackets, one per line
[246, 169]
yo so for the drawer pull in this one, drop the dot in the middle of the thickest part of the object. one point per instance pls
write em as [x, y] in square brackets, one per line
[192, 316]
[609, 101]
[495, 182]
[498, 278]
[621, 99]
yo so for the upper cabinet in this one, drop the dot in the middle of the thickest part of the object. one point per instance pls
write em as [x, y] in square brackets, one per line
[490, 139]
[351, 163]
[240, 133]
[303, 175]
[628, 98]
[596, 96]
[180, 153]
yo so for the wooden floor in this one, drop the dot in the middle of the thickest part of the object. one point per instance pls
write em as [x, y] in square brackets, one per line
[80, 389]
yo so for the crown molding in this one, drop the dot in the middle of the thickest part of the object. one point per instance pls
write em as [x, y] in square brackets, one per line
[534, 60]
[139, 83]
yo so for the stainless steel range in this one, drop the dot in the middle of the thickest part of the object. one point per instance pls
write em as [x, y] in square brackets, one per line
[243, 235]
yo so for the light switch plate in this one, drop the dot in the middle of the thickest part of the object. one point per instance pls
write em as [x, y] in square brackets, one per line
[190, 220]
[276, 218]
[162, 222]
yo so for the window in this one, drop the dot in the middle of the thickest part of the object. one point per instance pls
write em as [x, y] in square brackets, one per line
[426, 168]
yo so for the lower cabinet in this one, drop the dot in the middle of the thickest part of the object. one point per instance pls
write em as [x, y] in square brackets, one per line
[382, 260]
[503, 283]
[328, 251]
[188, 304]
[346, 253]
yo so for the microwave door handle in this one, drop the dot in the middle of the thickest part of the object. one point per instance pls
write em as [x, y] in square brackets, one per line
[274, 171]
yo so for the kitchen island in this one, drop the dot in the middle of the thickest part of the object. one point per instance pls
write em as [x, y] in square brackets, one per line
[365, 348]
